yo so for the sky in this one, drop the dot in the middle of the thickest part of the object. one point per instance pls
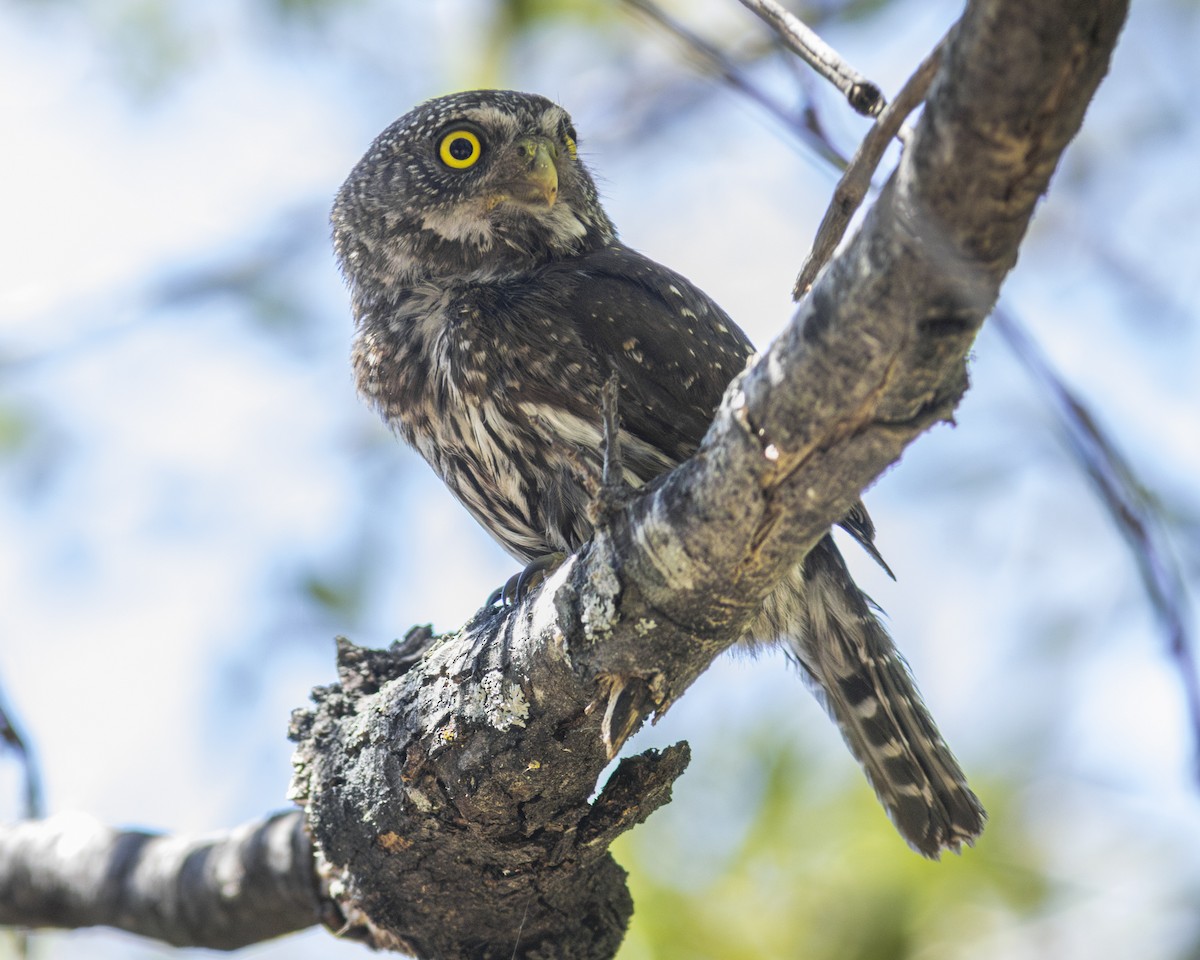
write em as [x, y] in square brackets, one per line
[188, 472]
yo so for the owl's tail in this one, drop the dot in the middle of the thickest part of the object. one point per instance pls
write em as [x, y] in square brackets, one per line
[855, 670]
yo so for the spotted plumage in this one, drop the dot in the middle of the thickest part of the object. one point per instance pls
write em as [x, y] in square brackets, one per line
[493, 300]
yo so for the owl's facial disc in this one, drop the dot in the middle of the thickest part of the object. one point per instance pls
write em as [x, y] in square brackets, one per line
[528, 200]
[481, 182]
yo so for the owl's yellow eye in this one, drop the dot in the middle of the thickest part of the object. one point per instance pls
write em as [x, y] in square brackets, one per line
[460, 149]
[570, 142]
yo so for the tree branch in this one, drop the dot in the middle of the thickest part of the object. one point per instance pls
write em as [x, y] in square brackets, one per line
[855, 181]
[11, 740]
[1135, 512]
[863, 96]
[252, 883]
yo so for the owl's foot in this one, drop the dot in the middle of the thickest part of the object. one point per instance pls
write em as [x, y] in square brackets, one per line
[517, 587]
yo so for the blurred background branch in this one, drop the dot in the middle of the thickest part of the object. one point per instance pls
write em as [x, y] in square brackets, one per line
[1135, 511]
[12, 742]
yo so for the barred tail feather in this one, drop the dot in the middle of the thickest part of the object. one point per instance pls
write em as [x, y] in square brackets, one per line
[857, 673]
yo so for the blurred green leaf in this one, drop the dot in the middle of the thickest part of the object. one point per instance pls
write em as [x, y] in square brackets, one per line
[147, 43]
[313, 12]
[16, 430]
[522, 14]
[512, 21]
[342, 596]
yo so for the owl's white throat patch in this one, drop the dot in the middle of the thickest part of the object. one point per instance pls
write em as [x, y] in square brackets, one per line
[462, 223]
[484, 223]
[565, 227]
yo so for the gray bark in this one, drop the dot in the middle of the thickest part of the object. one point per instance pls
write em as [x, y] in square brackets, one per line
[225, 891]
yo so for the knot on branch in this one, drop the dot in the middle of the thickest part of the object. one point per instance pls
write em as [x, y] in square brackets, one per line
[454, 823]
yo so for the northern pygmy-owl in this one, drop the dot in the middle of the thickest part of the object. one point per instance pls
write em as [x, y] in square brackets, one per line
[493, 300]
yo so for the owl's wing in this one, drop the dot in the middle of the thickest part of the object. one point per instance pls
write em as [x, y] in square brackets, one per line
[673, 349]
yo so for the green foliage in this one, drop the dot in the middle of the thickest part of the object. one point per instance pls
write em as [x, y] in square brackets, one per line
[514, 22]
[308, 11]
[16, 430]
[522, 14]
[819, 874]
[148, 44]
[860, 9]
[343, 596]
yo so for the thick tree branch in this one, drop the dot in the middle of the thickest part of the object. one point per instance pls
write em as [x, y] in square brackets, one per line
[255, 882]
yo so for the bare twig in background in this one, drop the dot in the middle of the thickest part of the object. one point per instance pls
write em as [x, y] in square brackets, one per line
[1132, 509]
[32, 803]
[720, 63]
[856, 179]
[806, 83]
[862, 95]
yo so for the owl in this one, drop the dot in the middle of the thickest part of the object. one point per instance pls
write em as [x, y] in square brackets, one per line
[492, 301]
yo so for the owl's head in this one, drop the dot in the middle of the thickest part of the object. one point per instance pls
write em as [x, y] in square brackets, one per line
[478, 183]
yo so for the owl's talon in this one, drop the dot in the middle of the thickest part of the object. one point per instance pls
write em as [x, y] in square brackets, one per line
[517, 587]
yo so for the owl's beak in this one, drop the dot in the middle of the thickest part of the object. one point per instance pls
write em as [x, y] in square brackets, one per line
[538, 181]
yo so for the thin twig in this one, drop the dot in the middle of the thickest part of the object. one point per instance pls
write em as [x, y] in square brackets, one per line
[856, 180]
[612, 490]
[524, 917]
[1134, 513]
[614, 475]
[862, 95]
